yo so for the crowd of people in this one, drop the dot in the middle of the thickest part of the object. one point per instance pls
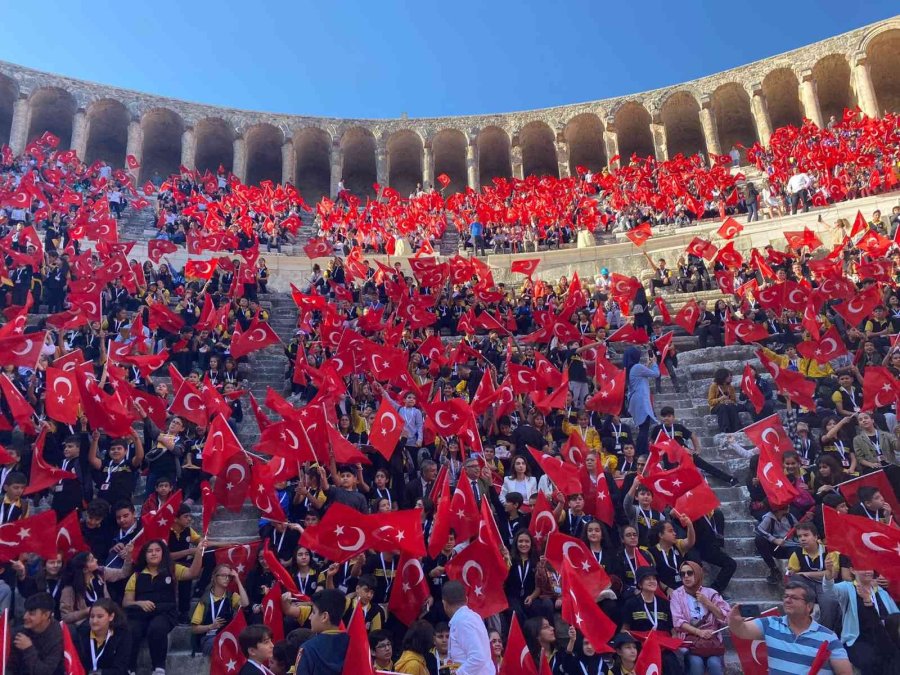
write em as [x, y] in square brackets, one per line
[463, 500]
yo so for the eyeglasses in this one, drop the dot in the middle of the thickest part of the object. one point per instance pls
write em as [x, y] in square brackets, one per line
[797, 598]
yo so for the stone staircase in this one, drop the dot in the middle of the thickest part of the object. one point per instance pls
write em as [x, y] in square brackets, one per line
[450, 241]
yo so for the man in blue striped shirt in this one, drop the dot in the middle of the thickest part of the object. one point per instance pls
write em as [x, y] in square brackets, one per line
[793, 640]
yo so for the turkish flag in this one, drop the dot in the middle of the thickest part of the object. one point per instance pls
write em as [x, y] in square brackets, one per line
[69, 539]
[526, 267]
[579, 609]
[337, 537]
[668, 486]
[153, 405]
[880, 388]
[62, 398]
[564, 476]
[858, 308]
[628, 333]
[464, 514]
[876, 479]
[563, 550]
[318, 248]
[28, 535]
[873, 243]
[688, 316]
[730, 228]
[769, 433]
[486, 393]
[808, 238]
[752, 654]
[188, 403]
[132, 162]
[697, 502]
[523, 378]
[257, 336]
[387, 429]
[745, 330]
[22, 350]
[701, 248]
[870, 544]
[21, 410]
[240, 557]
[610, 397]
[640, 234]
[623, 287]
[221, 444]
[157, 248]
[556, 399]
[43, 474]
[663, 310]
[830, 346]
[649, 661]
[272, 615]
[516, 658]
[226, 657]
[542, 523]
[344, 451]
[358, 659]
[483, 572]
[801, 390]
[409, 591]
[603, 507]
[288, 439]
[751, 391]
[771, 476]
[397, 531]
[148, 363]
[262, 493]
[440, 529]
[447, 418]
[157, 524]
[277, 569]
[823, 654]
[70, 651]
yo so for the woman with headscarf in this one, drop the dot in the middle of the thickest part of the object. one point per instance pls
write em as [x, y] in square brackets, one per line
[640, 407]
[697, 612]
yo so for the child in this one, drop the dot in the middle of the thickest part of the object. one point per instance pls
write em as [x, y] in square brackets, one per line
[626, 654]
[97, 529]
[325, 652]
[345, 491]
[642, 515]
[808, 565]
[71, 493]
[770, 538]
[217, 606]
[12, 507]
[627, 461]
[382, 649]
[115, 476]
[573, 520]
[439, 655]
[256, 644]
[373, 614]
[872, 505]
[8, 468]
[162, 492]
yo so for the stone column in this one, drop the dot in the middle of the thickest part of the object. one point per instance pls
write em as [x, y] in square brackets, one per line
[562, 156]
[288, 161]
[472, 164]
[710, 131]
[240, 158]
[79, 133]
[862, 82]
[135, 144]
[660, 142]
[515, 156]
[611, 141]
[427, 167]
[189, 149]
[760, 109]
[810, 98]
[382, 168]
[18, 131]
[337, 167]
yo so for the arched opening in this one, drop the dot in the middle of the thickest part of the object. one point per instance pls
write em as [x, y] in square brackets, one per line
[359, 171]
[681, 117]
[107, 132]
[734, 120]
[494, 160]
[584, 135]
[162, 143]
[313, 170]
[214, 145]
[9, 92]
[404, 152]
[832, 77]
[449, 150]
[538, 150]
[884, 66]
[782, 92]
[633, 131]
[52, 110]
[263, 153]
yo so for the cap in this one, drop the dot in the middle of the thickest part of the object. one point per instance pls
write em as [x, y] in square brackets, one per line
[642, 573]
[623, 638]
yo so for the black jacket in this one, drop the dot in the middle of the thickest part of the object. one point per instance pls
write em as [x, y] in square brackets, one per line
[115, 654]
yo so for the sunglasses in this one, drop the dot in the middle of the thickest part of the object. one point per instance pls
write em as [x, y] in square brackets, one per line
[687, 573]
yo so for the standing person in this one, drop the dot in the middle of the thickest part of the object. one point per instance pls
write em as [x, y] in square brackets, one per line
[37, 647]
[640, 407]
[476, 229]
[324, 654]
[798, 190]
[751, 199]
[469, 644]
[792, 640]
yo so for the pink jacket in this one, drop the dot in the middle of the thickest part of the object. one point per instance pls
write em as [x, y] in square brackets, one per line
[680, 604]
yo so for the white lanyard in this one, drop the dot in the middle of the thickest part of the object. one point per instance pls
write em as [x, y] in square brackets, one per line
[598, 556]
[670, 434]
[388, 580]
[4, 514]
[876, 516]
[631, 565]
[655, 619]
[852, 397]
[877, 443]
[712, 525]
[647, 518]
[111, 468]
[95, 657]
[820, 558]
[90, 593]
[385, 495]
[213, 610]
[674, 565]
[261, 668]
[302, 582]
[617, 435]
[523, 572]
[278, 540]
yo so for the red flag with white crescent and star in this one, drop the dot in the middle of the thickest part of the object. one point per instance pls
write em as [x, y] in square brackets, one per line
[386, 430]
[69, 539]
[409, 591]
[63, 397]
[483, 572]
[579, 609]
[22, 536]
[516, 658]
[262, 493]
[565, 550]
[542, 523]
[226, 657]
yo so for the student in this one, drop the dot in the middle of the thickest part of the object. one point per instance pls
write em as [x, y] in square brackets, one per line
[626, 654]
[161, 494]
[872, 505]
[770, 538]
[103, 641]
[345, 491]
[809, 564]
[641, 515]
[37, 647]
[373, 614]
[12, 507]
[217, 606]
[71, 493]
[97, 528]
[257, 646]
[439, 654]
[382, 649]
[324, 654]
[115, 475]
[573, 520]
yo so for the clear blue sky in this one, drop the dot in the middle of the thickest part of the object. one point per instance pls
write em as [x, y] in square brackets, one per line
[380, 59]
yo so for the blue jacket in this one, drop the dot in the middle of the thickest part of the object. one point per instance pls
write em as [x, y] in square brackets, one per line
[846, 597]
[324, 654]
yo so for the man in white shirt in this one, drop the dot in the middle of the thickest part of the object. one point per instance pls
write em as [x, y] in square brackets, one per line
[469, 644]
[798, 189]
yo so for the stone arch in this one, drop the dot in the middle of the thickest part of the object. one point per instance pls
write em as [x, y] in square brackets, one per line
[359, 171]
[832, 77]
[734, 119]
[584, 135]
[633, 131]
[52, 109]
[264, 143]
[680, 114]
[448, 149]
[538, 144]
[161, 149]
[312, 174]
[214, 145]
[883, 53]
[494, 160]
[9, 93]
[782, 92]
[404, 155]
[107, 132]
